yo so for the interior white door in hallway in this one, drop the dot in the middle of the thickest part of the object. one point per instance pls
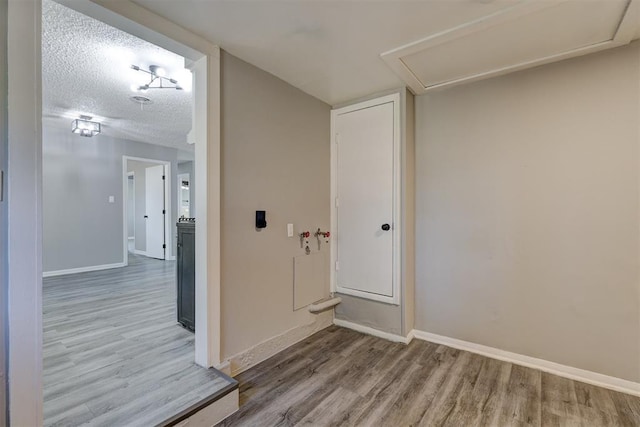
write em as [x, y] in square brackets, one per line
[155, 211]
[364, 188]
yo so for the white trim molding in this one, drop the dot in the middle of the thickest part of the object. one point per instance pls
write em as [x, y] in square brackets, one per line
[582, 375]
[207, 173]
[375, 332]
[83, 269]
[24, 212]
[264, 350]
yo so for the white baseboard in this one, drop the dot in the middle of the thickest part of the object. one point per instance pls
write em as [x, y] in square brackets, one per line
[261, 352]
[375, 332]
[582, 375]
[83, 269]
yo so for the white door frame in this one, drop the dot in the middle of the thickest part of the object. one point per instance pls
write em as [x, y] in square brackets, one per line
[24, 179]
[168, 236]
[396, 221]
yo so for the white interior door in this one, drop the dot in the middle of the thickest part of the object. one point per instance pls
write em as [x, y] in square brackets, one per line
[365, 191]
[155, 211]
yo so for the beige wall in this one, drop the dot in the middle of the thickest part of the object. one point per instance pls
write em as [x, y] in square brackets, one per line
[275, 157]
[527, 213]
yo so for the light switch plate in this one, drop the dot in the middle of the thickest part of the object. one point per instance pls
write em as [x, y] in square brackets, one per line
[289, 230]
[112, 199]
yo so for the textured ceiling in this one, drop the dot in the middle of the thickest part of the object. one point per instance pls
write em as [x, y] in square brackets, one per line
[86, 70]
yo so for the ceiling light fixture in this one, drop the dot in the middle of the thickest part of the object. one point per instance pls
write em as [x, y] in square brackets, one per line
[142, 100]
[158, 79]
[85, 127]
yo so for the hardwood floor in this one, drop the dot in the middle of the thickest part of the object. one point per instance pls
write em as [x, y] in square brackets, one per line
[339, 377]
[113, 352]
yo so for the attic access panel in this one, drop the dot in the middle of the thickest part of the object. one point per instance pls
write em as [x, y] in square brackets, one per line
[527, 34]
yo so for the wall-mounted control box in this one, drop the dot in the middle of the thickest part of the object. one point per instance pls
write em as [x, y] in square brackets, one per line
[261, 219]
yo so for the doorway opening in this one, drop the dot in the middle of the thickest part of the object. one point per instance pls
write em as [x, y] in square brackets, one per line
[25, 124]
[147, 207]
[113, 342]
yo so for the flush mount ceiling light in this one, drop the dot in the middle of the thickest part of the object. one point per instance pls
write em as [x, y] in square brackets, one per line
[141, 100]
[157, 79]
[85, 127]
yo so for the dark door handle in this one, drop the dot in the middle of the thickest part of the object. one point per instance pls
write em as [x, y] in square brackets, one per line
[386, 227]
[146, 216]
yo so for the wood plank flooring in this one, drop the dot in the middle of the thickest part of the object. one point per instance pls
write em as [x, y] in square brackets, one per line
[339, 377]
[113, 352]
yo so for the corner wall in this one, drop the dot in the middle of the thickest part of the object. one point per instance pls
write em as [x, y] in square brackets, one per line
[274, 157]
[528, 216]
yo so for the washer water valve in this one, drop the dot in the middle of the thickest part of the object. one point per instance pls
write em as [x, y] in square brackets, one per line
[304, 241]
[322, 234]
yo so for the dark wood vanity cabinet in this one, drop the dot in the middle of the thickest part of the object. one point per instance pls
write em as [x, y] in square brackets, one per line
[186, 274]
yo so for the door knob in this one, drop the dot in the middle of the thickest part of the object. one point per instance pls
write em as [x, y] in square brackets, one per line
[386, 227]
